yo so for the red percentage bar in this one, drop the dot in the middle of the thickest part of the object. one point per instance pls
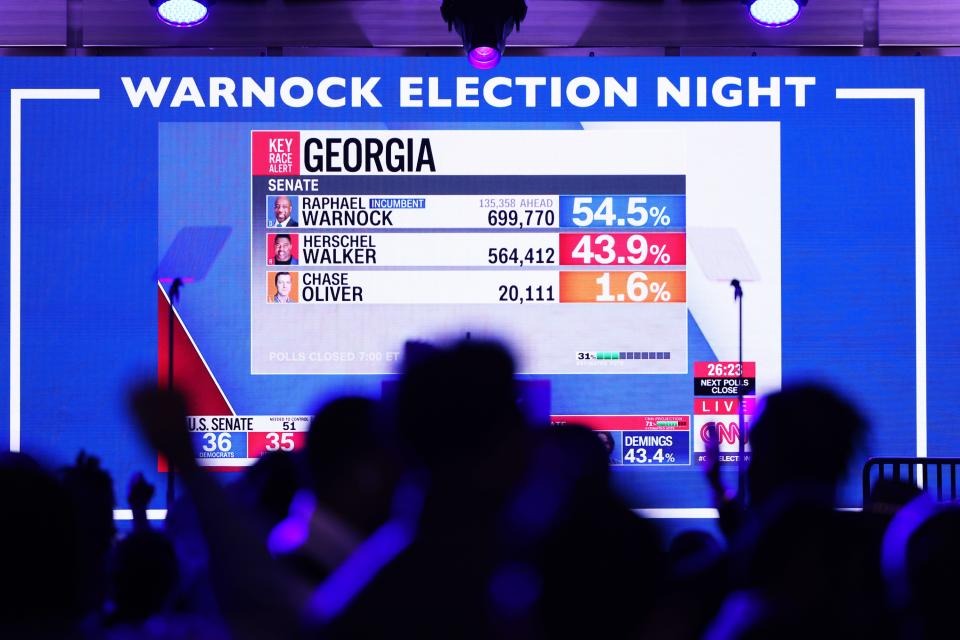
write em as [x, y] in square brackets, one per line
[261, 442]
[631, 249]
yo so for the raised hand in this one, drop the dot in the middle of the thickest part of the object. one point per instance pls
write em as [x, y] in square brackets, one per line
[139, 494]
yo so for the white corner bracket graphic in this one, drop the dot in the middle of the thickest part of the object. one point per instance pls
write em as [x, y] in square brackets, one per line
[17, 97]
[920, 211]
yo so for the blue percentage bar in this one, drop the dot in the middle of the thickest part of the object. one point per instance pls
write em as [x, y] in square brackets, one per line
[219, 444]
[650, 213]
[656, 448]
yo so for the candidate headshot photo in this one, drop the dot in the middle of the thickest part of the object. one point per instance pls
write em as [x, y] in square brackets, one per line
[282, 287]
[610, 444]
[282, 248]
[282, 212]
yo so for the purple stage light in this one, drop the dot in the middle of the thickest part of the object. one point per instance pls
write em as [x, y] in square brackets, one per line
[774, 13]
[484, 57]
[182, 13]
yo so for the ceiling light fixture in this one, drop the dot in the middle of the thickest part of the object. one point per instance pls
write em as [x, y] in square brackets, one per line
[483, 26]
[182, 13]
[774, 13]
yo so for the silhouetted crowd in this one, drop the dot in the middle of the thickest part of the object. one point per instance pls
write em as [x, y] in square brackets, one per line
[441, 512]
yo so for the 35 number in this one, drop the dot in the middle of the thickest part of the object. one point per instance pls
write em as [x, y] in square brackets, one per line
[279, 441]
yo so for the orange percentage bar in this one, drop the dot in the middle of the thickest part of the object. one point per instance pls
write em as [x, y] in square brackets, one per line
[623, 286]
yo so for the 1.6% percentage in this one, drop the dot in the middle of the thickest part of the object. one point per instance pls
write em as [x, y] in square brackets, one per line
[637, 289]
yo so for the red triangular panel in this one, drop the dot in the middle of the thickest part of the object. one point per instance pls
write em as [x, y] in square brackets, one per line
[190, 374]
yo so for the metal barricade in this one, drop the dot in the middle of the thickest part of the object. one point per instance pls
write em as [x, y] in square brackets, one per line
[916, 471]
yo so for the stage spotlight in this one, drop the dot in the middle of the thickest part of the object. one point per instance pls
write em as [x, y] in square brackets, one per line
[182, 13]
[774, 13]
[483, 25]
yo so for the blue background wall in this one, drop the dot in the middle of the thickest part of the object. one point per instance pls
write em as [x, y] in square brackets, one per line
[90, 240]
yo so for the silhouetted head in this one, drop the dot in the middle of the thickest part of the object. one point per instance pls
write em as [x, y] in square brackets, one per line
[268, 486]
[457, 402]
[692, 550]
[353, 465]
[580, 455]
[889, 495]
[341, 432]
[568, 470]
[588, 540]
[91, 488]
[790, 418]
[40, 576]
[932, 562]
[144, 575]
